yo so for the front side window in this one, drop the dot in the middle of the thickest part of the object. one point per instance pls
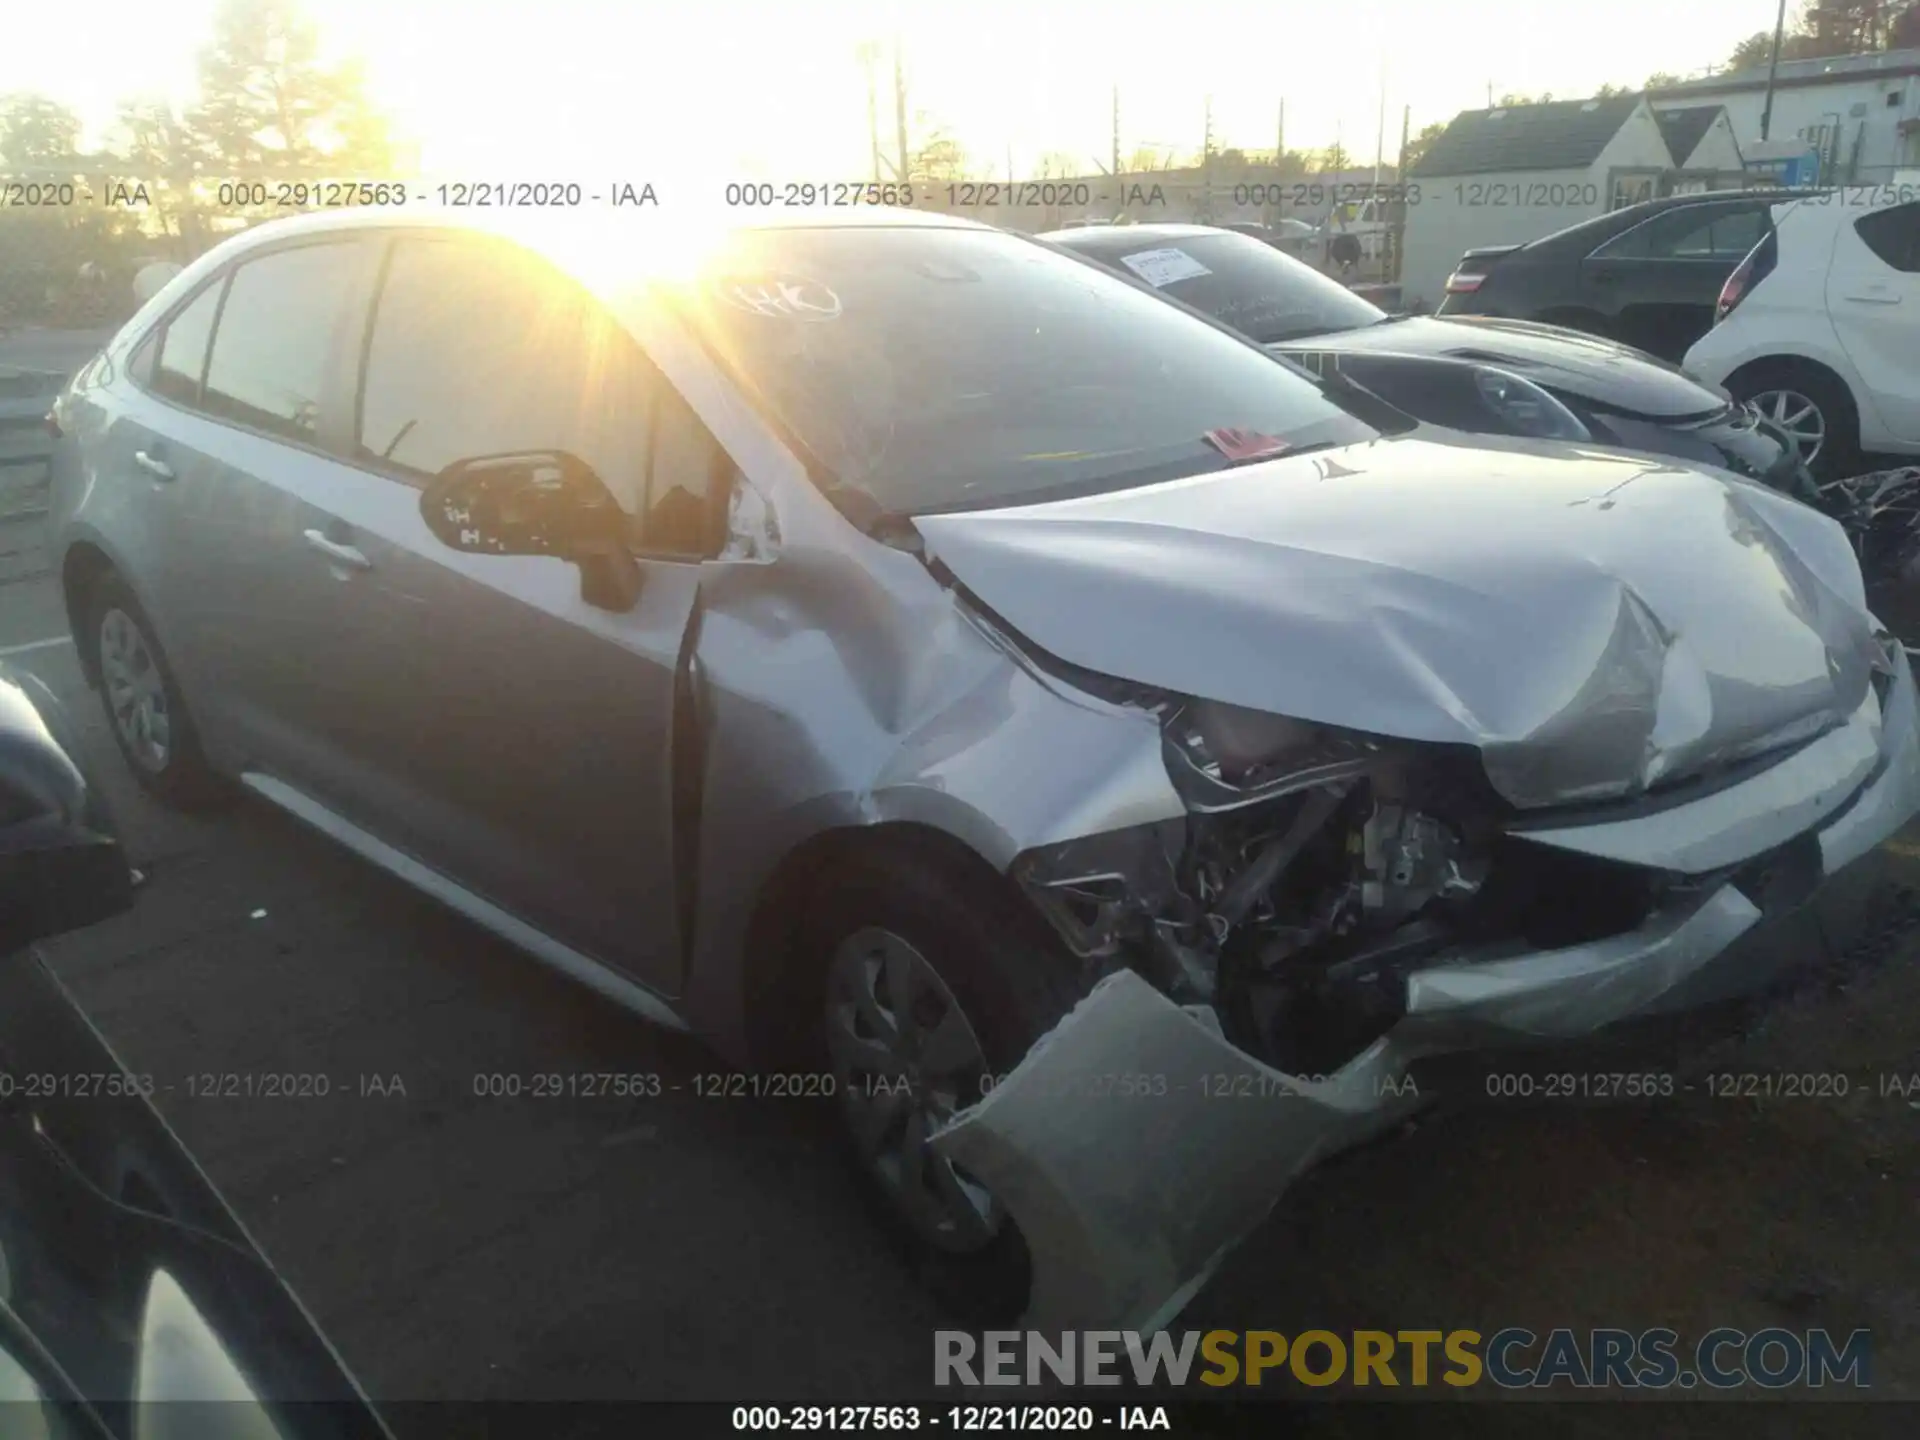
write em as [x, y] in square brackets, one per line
[932, 368]
[1690, 232]
[479, 349]
[275, 343]
[688, 483]
[180, 362]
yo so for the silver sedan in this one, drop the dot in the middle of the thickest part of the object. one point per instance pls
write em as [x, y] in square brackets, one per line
[1098, 756]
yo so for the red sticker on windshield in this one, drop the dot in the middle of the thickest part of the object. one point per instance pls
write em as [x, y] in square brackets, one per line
[1238, 444]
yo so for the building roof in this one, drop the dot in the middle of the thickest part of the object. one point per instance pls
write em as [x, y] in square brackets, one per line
[1684, 128]
[1826, 70]
[1559, 135]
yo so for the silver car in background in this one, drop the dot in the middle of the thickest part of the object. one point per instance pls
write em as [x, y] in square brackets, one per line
[882, 645]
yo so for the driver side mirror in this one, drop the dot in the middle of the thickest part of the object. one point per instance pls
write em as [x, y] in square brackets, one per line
[537, 502]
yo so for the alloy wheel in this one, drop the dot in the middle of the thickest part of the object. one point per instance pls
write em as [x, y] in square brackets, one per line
[906, 1059]
[1796, 414]
[136, 693]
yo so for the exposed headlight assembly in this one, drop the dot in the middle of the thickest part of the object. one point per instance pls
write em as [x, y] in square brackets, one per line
[1458, 393]
[1526, 409]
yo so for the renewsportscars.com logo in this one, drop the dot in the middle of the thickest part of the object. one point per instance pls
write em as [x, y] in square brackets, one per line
[1513, 1358]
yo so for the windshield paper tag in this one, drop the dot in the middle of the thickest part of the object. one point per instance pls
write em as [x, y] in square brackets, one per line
[1246, 444]
[1164, 267]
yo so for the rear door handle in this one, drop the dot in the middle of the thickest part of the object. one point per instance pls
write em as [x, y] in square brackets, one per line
[1876, 295]
[337, 551]
[157, 468]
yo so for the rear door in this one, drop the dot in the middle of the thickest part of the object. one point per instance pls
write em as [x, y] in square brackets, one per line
[1873, 294]
[135, 453]
[1658, 282]
[482, 716]
[221, 424]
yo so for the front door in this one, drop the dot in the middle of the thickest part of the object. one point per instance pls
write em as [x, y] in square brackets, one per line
[1658, 283]
[1873, 294]
[498, 727]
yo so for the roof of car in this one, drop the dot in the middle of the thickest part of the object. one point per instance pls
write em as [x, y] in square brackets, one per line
[490, 219]
[1627, 216]
[556, 233]
[1558, 135]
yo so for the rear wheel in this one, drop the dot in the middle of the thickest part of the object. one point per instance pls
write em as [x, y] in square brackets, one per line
[1813, 407]
[145, 712]
[932, 980]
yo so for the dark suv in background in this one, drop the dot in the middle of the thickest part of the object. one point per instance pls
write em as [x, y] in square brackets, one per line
[1648, 275]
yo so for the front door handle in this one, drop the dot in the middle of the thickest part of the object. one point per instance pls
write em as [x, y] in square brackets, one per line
[337, 551]
[157, 468]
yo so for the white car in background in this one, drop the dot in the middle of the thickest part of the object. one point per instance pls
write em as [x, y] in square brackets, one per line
[1819, 327]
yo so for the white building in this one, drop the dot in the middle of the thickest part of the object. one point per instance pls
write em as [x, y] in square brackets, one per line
[1702, 142]
[1861, 113]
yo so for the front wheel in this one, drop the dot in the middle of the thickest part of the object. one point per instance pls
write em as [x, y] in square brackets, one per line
[933, 981]
[1815, 411]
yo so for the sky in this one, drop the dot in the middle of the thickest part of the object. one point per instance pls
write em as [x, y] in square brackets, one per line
[773, 89]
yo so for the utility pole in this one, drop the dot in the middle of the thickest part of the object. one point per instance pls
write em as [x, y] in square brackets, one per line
[1398, 236]
[1773, 68]
[869, 52]
[1380, 134]
[1009, 162]
[1279, 161]
[900, 104]
[1206, 166]
[1116, 132]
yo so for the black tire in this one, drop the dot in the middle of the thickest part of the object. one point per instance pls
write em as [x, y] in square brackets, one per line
[1839, 455]
[182, 779]
[1011, 979]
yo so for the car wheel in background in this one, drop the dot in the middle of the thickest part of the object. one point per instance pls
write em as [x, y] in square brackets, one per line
[1811, 405]
[148, 718]
[933, 981]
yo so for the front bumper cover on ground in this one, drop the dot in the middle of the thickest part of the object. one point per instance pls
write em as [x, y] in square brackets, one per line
[1135, 1145]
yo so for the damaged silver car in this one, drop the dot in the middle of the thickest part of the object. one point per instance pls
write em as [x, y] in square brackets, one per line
[1103, 759]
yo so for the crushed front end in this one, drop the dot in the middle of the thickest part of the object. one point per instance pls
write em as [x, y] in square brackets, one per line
[1334, 907]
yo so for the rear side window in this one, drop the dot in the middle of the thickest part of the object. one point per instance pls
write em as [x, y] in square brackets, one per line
[284, 314]
[479, 349]
[1691, 232]
[181, 361]
[1893, 235]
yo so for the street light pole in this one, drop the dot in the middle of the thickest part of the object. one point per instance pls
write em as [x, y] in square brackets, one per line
[1773, 67]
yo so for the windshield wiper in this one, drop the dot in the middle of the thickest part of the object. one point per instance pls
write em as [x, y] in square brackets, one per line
[1281, 337]
[1288, 454]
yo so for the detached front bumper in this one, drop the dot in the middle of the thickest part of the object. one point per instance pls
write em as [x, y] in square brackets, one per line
[1135, 1146]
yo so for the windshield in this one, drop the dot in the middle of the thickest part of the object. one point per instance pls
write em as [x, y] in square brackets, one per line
[1266, 295]
[936, 369]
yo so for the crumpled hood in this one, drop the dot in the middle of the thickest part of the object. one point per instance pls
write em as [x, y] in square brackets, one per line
[1593, 623]
[1607, 373]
